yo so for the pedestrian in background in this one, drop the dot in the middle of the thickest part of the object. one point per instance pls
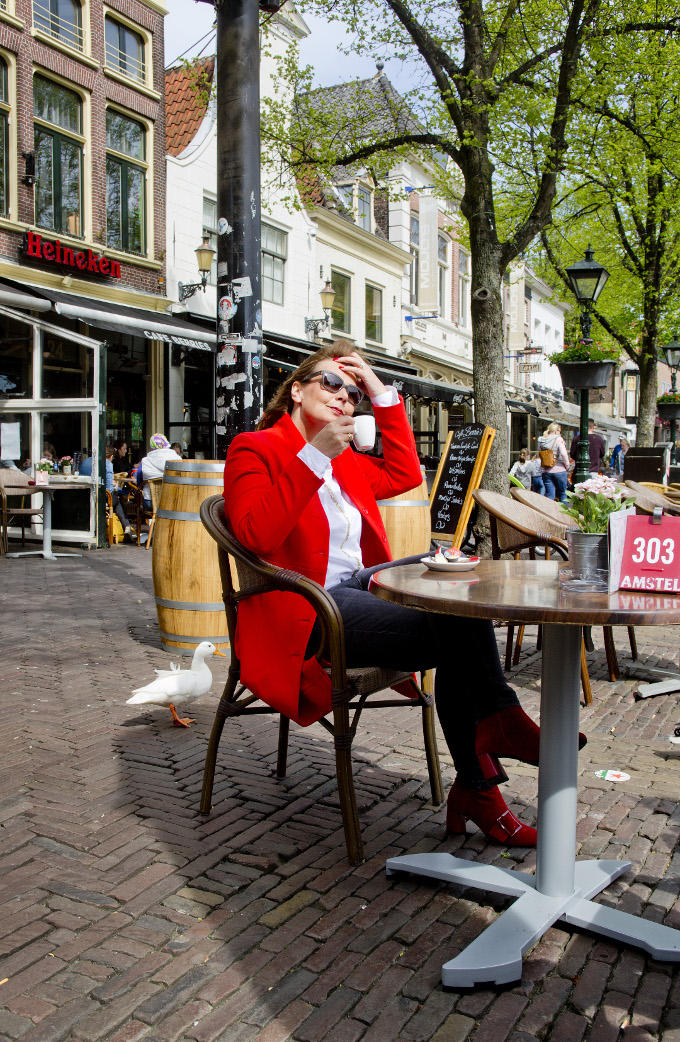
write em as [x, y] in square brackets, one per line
[554, 462]
[597, 450]
[522, 468]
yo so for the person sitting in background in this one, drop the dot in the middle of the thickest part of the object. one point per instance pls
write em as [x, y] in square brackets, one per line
[619, 455]
[537, 484]
[86, 470]
[176, 447]
[554, 462]
[153, 464]
[120, 461]
[522, 468]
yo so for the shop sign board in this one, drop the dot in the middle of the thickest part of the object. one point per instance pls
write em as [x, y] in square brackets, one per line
[52, 251]
[529, 367]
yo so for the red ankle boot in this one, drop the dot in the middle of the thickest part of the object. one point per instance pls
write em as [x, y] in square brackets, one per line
[489, 812]
[510, 732]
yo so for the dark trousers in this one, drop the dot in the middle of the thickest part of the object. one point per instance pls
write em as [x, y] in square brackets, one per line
[118, 508]
[469, 680]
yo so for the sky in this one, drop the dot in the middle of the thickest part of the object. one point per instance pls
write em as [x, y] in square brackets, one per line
[188, 21]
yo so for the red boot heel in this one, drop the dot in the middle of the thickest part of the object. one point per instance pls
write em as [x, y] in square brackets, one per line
[489, 811]
[510, 732]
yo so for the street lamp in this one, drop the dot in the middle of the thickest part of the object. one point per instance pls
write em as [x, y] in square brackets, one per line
[204, 257]
[313, 326]
[671, 354]
[587, 279]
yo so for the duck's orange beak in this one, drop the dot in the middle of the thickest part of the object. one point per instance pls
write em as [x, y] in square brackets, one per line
[220, 653]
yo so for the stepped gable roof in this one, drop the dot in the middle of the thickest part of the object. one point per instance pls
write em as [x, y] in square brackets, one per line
[186, 101]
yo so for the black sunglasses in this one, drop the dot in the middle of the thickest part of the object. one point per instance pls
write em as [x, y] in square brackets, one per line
[333, 383]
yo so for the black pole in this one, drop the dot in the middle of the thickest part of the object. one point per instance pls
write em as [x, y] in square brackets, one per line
[238, 397]
[582, 468]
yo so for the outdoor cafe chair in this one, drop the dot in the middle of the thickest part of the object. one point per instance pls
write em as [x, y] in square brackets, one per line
[516, 527]
[155, 485]
[351, 688]
[646, 499]
[15, 503]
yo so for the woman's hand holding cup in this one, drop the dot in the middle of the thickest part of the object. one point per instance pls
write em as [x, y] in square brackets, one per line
[335, 437]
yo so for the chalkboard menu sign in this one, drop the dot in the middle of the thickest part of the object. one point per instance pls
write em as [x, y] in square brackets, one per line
[458, 475]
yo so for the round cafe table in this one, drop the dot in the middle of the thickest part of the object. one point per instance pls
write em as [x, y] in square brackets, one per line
[563, 888]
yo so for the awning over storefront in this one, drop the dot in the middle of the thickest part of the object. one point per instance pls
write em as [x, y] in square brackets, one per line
[521, 407]
[152, 325]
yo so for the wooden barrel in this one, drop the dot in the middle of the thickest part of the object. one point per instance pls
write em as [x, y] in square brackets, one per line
[186, 573]
[407, 521]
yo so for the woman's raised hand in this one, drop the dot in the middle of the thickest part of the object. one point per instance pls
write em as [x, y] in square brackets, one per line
[360, 371]
[335, 437]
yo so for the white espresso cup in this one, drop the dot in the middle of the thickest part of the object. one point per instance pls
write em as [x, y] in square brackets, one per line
[364, 432]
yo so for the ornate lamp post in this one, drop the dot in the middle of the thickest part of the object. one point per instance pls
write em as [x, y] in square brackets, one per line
[671, 355]
[313, 326]
[587, 279]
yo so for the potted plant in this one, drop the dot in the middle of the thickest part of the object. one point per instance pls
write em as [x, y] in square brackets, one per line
[586, 365]
[590, 505]
[66, 464]
[668, 405]
[43, 469]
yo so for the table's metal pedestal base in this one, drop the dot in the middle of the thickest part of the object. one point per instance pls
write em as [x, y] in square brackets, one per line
[562, 887]
[662, 687]
[41, 553]
[496, 955]
[47, 552]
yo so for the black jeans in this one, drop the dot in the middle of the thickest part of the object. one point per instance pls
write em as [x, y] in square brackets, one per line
[469, 680]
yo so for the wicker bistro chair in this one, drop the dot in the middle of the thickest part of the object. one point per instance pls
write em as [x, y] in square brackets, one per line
[646, 499]
[554, 511]
[351, 688]
[15, 503]
[155, 485]
[516, 527]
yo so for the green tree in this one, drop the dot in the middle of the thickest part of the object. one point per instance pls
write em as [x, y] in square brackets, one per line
[624, 179]
[496, 82]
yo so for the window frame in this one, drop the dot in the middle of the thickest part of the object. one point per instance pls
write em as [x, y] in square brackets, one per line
[58, 135]
[210, 232]
[277, 258]
[127, 162]
[336, 273]
[5, 124]
[463, 289]
[442, 273]
[78, 44]
[380, 324]
[124, 26]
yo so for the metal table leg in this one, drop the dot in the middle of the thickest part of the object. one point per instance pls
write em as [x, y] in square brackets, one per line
[46, 551]
[562, 888]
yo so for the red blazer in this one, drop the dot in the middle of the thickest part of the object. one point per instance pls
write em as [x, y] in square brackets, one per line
[272, 507]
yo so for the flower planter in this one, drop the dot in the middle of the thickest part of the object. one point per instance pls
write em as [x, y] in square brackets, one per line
[587, 551]
[581, 376]
[67, 469]
[668, 410]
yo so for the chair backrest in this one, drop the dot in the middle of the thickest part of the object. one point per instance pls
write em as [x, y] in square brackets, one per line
[543, 505]
[155, 487]
[646, 499]
[515, 526]
[11, 478]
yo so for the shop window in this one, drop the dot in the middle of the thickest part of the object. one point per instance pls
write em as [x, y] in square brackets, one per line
[340, 312]
[60, 19]
[274, 251]
[191, 384]
[373, 313]
[443, 262]
[15, 438]
[463, 289]
[4, 140]
[210, 232]
[16, 368]
[124, 50]
[58, 157]
[125, 183]
[66, 369]
[415, 259]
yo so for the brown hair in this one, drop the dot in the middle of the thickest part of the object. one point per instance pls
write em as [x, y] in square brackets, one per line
[282, 403]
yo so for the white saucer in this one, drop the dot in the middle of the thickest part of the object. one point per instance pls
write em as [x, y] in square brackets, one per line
[463, 564]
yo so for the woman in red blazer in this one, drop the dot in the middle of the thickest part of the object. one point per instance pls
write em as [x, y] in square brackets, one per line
[296, 494]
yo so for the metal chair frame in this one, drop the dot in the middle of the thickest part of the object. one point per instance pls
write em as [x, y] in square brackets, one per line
[351, 688]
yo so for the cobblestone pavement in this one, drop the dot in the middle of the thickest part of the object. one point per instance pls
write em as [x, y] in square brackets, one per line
[125, 915]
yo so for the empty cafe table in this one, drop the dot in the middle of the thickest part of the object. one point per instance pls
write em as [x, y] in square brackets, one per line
[47, 492]
[563, 888]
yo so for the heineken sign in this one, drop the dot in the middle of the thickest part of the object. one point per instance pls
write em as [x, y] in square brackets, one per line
[52, 251]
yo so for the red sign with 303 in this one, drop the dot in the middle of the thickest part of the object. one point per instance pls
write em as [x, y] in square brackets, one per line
[651, 555]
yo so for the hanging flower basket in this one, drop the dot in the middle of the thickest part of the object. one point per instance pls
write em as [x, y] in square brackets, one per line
[581, 376]
[668, 410]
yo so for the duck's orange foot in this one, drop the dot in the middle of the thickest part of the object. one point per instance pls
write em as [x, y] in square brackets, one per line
[179, 721]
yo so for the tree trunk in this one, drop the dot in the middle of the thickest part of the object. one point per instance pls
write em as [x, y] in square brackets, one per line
[647, 405]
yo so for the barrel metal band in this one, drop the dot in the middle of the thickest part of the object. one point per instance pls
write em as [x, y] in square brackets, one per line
[192, 638]
[172, 479]
[189, 605]
[194, 464]
[178, 515]
[403, 502]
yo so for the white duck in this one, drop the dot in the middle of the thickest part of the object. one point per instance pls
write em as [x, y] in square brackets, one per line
[175, 686]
